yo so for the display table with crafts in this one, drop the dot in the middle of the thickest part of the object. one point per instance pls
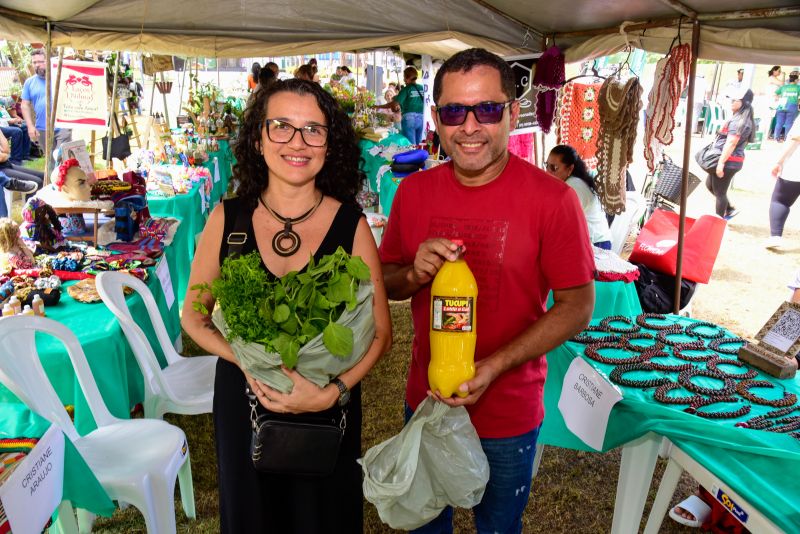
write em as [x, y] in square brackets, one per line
[80, 486]
[192, 209]
[110, 357]
[751, 462]
[376, 164]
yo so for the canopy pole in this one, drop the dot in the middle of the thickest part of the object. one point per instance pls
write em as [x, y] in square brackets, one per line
[48, 98]
[52, 119]
[110, 130]
[164, 95]
[687, 149]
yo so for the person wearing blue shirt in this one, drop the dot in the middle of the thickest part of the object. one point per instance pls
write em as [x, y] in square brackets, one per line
[34, 105]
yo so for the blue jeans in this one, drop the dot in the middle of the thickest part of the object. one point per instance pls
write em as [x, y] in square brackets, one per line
[510, 470]
[412, 127]
[784, 119]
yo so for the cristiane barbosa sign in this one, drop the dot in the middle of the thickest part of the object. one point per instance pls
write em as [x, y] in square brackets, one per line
[82, 96]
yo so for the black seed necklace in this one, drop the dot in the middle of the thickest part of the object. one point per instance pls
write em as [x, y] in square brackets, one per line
[288, 232]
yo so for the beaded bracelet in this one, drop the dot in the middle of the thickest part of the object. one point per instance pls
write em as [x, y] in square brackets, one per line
[744, 386]
[663, 335]
[617, 378]
[685, 377]
[714, 362]
[695, 409]
[681, 354]
[592, 353]
[697, 344]
[627, 338]
[585, 338]
[661, 395]
[716, 344]
[763, 421]
[692, 330]
[606, 324]
[643, 318]
[664, 366]
[785, 425]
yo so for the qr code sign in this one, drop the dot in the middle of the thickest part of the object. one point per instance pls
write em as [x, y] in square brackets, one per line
[786, 330]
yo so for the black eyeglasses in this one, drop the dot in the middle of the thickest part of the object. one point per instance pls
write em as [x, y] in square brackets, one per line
[279, 131]
[485, 113]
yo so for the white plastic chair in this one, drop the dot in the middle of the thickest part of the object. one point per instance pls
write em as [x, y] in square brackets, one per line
[623, 223]
[135, 460]
[186, 385]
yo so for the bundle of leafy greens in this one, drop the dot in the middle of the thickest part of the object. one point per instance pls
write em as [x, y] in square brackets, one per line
[283, 314]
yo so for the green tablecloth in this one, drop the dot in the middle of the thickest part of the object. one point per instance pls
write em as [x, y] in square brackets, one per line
[189, 210]
[387, 184]
[110, 357]
[753, 463]
[81, 487]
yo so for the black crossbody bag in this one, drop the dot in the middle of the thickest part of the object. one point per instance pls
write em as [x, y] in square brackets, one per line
[286, 445]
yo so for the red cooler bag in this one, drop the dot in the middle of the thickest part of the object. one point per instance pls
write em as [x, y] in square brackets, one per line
[657, 245]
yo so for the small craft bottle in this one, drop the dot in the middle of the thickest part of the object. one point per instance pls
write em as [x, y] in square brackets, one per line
[15, 304]
[38, 305]
[8, 311]
[28, 310]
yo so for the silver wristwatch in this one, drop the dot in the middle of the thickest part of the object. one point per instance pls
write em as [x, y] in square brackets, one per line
[344, 392]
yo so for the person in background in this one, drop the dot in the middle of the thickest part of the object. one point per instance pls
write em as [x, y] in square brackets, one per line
[731, 140]
[775, 82]
[16, 171]
[787, 187]
[411, 103]
[787, 96]
[313, 64]
[34, 106]
[266, 77]
[394, 111]
[345, 74]
[304, 72]
[566, 165]
[525, 235]
[296, 154]
[273, 67]
[252, 78]
[794, 286]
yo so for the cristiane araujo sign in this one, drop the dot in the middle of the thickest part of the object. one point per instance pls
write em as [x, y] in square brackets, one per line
[82, 97]
[523, 68]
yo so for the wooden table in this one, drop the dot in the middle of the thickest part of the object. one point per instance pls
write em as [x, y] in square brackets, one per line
[96, 211]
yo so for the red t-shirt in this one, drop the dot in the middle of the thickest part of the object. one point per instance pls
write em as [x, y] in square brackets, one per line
[525, 234]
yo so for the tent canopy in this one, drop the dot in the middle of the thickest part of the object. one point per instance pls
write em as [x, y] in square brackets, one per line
[437, 27]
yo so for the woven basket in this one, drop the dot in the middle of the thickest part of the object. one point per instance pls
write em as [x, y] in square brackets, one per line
[668, 185]
[164, 87]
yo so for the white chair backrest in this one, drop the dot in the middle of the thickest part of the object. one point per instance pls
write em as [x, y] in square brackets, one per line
[622, 223]
[110, 286]
[22, 372]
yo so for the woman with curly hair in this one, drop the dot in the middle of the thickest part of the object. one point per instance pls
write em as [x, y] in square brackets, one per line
[297, 167]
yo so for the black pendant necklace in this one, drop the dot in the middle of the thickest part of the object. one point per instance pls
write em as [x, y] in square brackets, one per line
[288, 232]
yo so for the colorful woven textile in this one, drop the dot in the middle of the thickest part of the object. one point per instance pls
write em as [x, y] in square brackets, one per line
[619, 114]
[578, 120]
[671, 76]
[547, 80]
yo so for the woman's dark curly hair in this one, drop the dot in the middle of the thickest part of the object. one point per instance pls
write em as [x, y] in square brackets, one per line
[339, 177]
[569, 156]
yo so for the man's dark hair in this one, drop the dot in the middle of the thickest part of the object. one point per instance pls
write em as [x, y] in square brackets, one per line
[37, 52]
[346, 69]
[466, 60]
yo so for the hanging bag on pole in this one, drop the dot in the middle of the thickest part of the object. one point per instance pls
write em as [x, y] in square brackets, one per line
[657, 244]
[120, 145]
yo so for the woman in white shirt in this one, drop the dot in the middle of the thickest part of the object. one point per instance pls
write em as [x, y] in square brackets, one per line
[787, 187]
[565, 164]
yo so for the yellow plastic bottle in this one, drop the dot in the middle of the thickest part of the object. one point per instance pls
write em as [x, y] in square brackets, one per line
[454, 296]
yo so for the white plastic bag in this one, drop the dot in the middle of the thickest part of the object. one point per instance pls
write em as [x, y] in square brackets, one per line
[435, 461]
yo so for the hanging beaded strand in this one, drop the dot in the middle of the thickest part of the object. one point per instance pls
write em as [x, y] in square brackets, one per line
[288, 232]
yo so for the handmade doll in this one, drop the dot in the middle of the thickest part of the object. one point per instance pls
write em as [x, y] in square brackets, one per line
[14, 254]
[41, 226]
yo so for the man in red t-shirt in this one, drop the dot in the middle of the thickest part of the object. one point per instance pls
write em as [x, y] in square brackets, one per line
[524, 235]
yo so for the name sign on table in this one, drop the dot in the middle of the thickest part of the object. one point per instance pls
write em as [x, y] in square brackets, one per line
[162, 272]
[586, 401]
[34, 490]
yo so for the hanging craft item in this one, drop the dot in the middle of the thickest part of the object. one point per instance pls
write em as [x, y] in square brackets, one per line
[619, 105]
[547, 80]
[671, 76]
[578, 120]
